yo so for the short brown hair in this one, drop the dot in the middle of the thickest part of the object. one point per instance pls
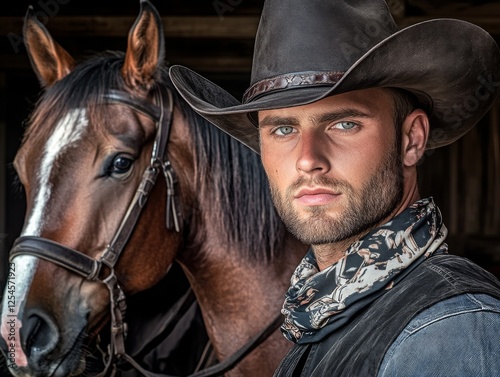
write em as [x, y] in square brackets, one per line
[404, 103]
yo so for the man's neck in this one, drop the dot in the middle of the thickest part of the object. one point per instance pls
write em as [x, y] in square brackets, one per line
[329, 254]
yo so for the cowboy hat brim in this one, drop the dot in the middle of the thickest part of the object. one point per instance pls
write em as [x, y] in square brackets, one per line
[451, 65]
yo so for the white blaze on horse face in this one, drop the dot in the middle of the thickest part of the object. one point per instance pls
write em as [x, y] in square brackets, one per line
[68, 131]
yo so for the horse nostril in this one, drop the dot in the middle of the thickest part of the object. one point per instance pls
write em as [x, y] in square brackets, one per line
[39, 335]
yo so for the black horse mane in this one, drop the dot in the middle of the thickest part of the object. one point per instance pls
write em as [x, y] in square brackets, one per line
[228, 173]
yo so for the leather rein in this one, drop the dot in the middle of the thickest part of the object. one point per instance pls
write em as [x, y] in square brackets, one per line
[103, 268]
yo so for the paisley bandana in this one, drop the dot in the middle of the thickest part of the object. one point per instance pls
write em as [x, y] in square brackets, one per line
[318, 302]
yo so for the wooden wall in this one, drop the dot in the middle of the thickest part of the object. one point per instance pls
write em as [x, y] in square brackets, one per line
[464, 179]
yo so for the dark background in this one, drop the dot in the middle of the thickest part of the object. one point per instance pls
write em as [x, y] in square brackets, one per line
[216, 39]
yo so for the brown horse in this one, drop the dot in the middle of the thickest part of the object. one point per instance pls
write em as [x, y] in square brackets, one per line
[95, 131]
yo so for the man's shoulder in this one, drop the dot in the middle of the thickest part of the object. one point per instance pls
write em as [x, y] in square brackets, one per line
[456, 273]
[468, 303]
[466, 325]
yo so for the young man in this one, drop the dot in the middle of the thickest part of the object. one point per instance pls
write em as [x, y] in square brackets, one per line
[341, 108]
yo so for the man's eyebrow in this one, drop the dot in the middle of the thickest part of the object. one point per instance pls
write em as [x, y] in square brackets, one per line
[276, 120]
[341, 114]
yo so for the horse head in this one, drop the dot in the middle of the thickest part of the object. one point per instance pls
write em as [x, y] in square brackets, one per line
[88, 161]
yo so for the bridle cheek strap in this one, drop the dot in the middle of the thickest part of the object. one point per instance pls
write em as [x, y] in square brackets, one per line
[163, 117]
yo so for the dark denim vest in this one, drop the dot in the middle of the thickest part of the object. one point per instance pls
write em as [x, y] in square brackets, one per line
[358, 348]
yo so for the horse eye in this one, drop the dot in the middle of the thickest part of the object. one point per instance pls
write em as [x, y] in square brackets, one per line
[121, 165]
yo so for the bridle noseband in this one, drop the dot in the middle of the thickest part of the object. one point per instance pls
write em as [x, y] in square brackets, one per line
[103, 268]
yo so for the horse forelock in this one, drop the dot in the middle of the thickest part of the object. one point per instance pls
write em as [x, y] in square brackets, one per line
[83, 88]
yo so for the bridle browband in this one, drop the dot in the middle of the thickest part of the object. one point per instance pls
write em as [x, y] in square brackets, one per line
[103, 268]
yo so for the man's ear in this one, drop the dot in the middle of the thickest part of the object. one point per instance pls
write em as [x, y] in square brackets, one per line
[414, 137]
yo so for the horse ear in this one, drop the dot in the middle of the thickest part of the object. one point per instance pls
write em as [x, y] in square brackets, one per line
[48, 59]
[145, 49]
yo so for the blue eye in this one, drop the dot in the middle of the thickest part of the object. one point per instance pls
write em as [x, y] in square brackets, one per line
[345, 125]
[283, 130]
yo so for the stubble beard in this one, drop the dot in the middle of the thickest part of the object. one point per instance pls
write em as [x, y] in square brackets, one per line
[363, 210]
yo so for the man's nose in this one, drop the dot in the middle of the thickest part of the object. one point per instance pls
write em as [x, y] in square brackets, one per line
[314, 153]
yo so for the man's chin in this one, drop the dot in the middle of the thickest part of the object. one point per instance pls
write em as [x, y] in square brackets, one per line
[316, 230]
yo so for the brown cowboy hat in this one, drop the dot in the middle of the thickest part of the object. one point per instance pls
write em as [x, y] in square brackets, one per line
[308, 50]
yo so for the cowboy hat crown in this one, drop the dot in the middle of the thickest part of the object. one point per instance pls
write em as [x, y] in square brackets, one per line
[308, 50]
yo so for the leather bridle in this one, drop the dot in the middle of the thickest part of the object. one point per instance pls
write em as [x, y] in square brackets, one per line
[103, 268]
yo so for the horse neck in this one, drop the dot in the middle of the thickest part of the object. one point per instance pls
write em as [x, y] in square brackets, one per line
[239, 295]
[239, 298]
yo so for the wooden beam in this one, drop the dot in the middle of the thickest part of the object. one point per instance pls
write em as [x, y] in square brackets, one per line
[184, 27]
[175, 27]
[208, 64]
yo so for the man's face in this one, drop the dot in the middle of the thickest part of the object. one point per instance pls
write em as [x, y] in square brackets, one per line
[334, 166]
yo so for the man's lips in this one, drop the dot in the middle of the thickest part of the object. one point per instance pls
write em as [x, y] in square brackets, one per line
[316, 196]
